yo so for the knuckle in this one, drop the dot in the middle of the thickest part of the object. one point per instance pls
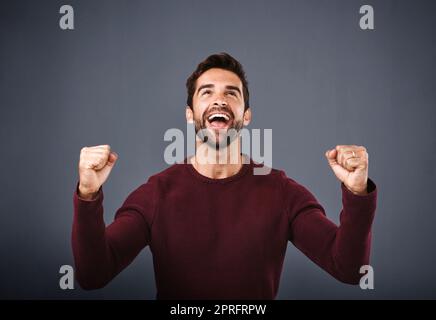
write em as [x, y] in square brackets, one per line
[97, 160]
[101, 159]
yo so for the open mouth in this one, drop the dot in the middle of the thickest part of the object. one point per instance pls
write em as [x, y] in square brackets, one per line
[218, 120]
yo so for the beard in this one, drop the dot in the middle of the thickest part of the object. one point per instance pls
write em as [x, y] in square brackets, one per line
[217, 138]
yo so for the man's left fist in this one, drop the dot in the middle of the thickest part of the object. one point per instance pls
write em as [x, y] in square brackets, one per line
[350, 165]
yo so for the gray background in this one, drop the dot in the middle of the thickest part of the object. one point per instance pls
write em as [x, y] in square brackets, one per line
[315, 78]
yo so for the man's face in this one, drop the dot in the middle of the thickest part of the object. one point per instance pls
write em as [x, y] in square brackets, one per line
[218, 105]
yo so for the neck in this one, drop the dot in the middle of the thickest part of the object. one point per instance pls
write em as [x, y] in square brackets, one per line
[218, 164]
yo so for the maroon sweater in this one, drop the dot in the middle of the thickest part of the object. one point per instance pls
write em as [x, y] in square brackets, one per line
[220, 238]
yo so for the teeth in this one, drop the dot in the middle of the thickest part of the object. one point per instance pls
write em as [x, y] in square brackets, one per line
[221, 115]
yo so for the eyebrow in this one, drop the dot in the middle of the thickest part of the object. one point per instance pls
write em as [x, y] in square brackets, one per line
[204, 86]
[233, 88]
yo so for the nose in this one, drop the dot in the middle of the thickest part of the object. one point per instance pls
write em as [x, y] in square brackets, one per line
[220, 102]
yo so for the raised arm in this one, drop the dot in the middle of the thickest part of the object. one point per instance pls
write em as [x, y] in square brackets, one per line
[101, 252]
[340, 250]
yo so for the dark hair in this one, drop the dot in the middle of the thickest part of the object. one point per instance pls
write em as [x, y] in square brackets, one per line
[222, 61]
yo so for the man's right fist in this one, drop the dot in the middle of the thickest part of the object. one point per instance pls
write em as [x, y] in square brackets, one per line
[95, 165]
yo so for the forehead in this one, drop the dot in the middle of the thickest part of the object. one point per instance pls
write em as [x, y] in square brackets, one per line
[218, 76]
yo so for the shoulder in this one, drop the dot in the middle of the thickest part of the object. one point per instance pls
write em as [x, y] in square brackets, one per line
[292, 190]
[160, 182]
[145, 197]
[156, 180]
[170, 172]
[275, 175]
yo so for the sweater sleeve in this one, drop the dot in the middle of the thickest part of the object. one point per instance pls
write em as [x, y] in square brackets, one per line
[339, 250]
[101, 252]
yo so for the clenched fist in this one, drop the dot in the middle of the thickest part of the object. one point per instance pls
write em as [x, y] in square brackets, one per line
[350, 165]
[95, 165]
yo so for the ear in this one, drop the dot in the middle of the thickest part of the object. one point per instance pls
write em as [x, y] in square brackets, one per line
[189, 115]
[247, 117]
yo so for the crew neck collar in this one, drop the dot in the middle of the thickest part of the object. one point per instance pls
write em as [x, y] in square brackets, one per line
[242, 171]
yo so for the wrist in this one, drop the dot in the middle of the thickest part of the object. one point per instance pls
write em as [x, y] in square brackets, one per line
[86, 193]
[358, 192]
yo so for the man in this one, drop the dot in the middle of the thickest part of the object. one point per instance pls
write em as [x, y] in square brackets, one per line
[216, 230]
